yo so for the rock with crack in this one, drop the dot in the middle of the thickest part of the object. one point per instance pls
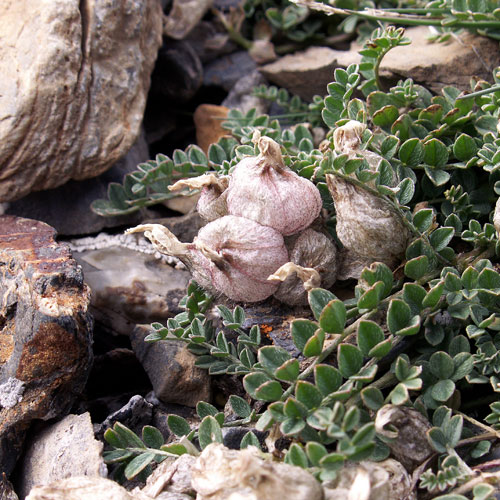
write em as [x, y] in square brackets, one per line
[75, 75]
[45, 331]
[64, 449]
[170, 367]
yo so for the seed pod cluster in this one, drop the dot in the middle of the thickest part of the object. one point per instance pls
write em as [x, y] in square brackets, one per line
[249, 214]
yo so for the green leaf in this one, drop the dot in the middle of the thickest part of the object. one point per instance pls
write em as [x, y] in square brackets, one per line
[414, 295]
[443, 390]
[308, 394]
[204, 409]
[489, 279]
[350, 360]
[315, 452]
[294, 409]
[399, 395]
[453, 431]
[371, 297]
[406, 191]
[175, 448]
[464, 147]
[216, 154]
[441, 365]
[435, 153]
[372, 398]
[417, 268]
[437, 176]
[314, 345]
[433, 295]
[364, 435]
[269, 391]
[249, 439]
[138, 464]
[296, 456]
[369, 335]
[114, 439]
[292, 426]
[389, 146]
[288, 371]
[332, 318]
[116, 456]
[437, 439]
[152, 437]
[240, 406]
[128, 436]
[411, 152]
[327, 379]
[209, 432]
[178, 425]
[252, 381]
[271, 357]
[441, 237]
[423, 219]
[318, 298]
[385, 116]
[398, 315]
[302, 331]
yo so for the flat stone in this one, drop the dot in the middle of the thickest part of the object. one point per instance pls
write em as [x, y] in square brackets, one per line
[46, 330]
[170, 367]
[225, 71]
[240, 96]
[64, 449]
[436, 65]
[75, 75]
[307, 73]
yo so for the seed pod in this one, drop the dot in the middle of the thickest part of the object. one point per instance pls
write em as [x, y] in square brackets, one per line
[263, 189]
[312, 255]
[232, 256]
[496, 216]
[366, 224]
[212, 202]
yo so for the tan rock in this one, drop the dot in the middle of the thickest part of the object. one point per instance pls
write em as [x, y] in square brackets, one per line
[308, 73]
[64, 449]
[75, 74]
[222, 474]
[184, 16]
[208, 120]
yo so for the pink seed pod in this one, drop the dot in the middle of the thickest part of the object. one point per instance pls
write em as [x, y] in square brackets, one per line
[231, 256]
[263, 189]
[212, 202]
[366, 224]
[310, 251]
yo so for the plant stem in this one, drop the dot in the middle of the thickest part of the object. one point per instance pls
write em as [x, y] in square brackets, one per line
[475, 422]
[493, 88]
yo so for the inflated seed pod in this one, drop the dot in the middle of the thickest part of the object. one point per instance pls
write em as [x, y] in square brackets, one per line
[496, 216]
[310, 250]
[265, 190]
[212, 202]
[366, 224]
[232, 256]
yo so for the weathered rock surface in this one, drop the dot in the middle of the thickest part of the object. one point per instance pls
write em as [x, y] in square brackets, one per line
[208, 120]
[220, 473]
[75, 74]
[46, 330]
[64, 449]
[308, 73]
[440, 64]
[240, 96]
[225, 71]
[67, 208]
[184, 16]
[170, 367]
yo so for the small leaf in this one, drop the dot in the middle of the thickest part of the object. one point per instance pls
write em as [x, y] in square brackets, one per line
[253, 381]
[350, 360]
[249, 439]
[398, 315]
[435, 153]
[178, 425]
[128, 436]
[318, 298]
[423, 219]
[302, 331]
[369, 335]
[437, 176]
[417, 267]
[315, 452]
[240, 406]
[152, 437]
[437, 439]
[272, 357]
[269, 391]
[138, 464]
[288, 371]
[441, 237]
[464, 147]
[406, 191]
[372, 398]
[433, 296]
[441, 365]
[411, 152]
[292, 426]
[308, 394]
[332, 318]
[209, 432]
[327, 379]
[204, 409]
[314, 345]
[296, 456]
[443, 390]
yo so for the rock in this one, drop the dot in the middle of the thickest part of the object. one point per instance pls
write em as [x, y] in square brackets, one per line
[208, 120]
[6, 489]
[178, 72]
[437, 65]
[130, 286]
[308, 73]
[184, 16]
[73, 87]
[135, 415]
[45, 345]
[240, 96]
[220, 473]
[227, 70]
[210, 40]
[232, 436]
[170, 367]
[171, 476]
[67, 208]
[82, 488]
[64, 449]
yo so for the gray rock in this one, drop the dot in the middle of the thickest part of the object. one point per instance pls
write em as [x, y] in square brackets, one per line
[73, 87]
[232, 436]
[227, 70]
[170, 367]
[184, 16]
[240, 96]
[210, 40]
[45, 346]
[67, 208]
[64, 449]
[135, 415]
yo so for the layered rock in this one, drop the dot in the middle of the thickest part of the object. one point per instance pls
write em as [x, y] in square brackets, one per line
[45, 330]
[75, 75]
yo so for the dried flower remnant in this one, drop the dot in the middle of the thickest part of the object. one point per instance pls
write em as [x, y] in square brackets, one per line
[232, 256]
[311, 251]
[406, 432]
[265, 190]
[366, 224]
[212, 202]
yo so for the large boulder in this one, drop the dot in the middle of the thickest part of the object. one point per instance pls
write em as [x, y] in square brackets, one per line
[45, 331]
[75, 75]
